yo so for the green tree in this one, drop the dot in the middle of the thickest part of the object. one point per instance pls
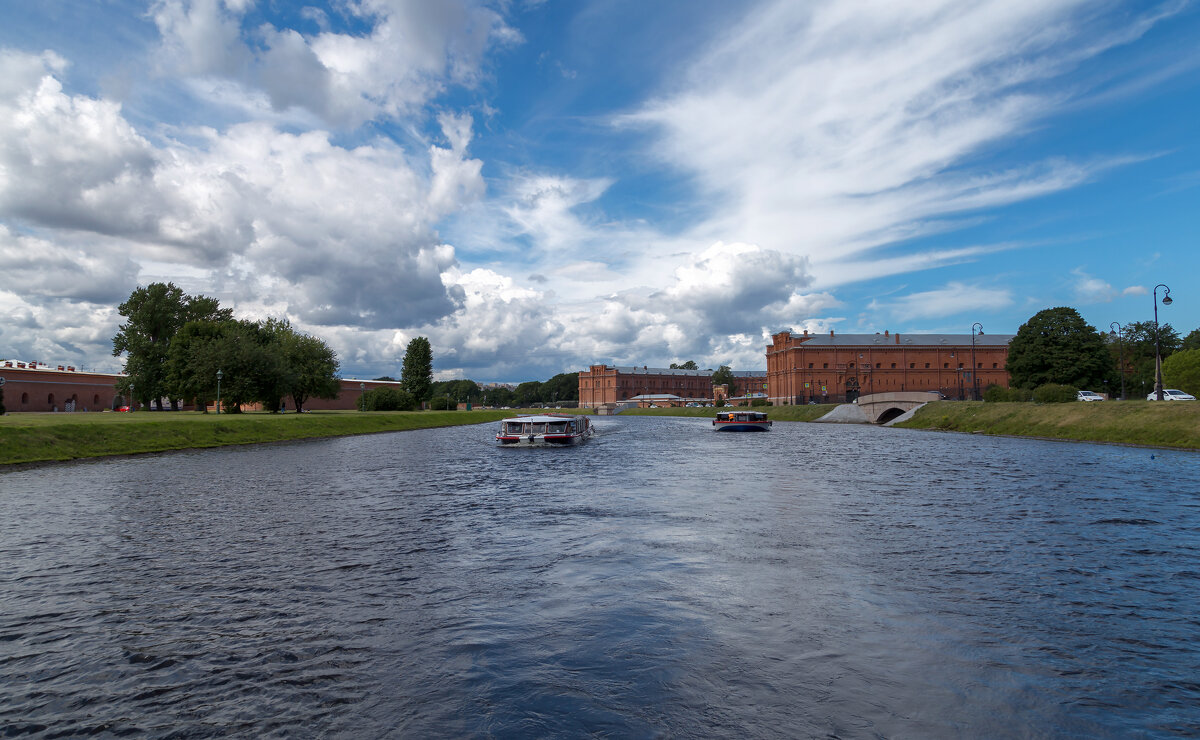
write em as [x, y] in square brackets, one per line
[1192, 340]
[689, 365]
[416, 375]
[1057, 346]
[310, 369]
[1138, 351]
[154, 315]
[724, 376]
[563, 387]
[527, 393]
[3, 411]
[193, 362]
[1182, 370]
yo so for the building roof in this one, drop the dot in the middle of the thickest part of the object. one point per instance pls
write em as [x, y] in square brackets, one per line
[643, 370]
[904, 340]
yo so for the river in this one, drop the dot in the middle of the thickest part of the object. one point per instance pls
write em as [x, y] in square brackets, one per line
[661, 580]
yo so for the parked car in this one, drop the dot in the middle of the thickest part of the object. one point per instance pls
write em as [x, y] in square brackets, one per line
[1088, 396]
[1170, 394]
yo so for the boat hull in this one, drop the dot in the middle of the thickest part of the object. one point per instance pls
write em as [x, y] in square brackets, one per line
[742, 426]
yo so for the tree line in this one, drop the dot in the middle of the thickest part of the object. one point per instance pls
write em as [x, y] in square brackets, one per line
[181, 348]
[1057, 347]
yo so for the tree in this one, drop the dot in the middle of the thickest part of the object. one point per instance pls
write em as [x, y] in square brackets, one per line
[689, 365]
[1138, 351]
[1057, 346]
[724, 376]
[155, 314]
[3, 411]
[416, 376]
[1192, 340]
[562, 387]
[1182, 370]
[311, 369]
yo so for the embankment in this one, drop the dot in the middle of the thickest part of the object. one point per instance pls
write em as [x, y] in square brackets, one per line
[38, 438]
[1156, 424]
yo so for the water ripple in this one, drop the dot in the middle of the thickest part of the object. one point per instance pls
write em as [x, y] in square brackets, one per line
[660, 581]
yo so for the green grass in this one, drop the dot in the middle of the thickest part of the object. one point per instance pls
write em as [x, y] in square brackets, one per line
[34, 438]
[1157, 424]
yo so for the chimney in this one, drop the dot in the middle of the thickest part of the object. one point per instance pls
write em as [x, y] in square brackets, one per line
[806, 332]
[897, 339]
[885, 332]
[831, 332]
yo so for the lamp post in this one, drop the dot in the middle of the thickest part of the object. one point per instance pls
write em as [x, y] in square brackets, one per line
[974, 365]
[1158, 384]
[132, 403]
[1117, 330]
[219, 376]
[362, 393]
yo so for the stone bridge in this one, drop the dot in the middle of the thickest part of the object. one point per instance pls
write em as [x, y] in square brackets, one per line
[880, 408]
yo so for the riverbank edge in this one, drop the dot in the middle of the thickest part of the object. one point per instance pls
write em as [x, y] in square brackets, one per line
[1169, 426]
[41, 440]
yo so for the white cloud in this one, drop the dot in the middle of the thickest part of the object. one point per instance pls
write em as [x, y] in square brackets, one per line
[1089, 289]
[954, 299]
[410, 52]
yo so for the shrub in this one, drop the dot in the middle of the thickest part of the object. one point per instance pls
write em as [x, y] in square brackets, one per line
[441, 403]
[386, 399]
[1055, 393]
[999, 394]
[760, 402]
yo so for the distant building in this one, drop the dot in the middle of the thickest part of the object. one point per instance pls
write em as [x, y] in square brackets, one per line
[838, 368]
[645, 386]
[32, 386]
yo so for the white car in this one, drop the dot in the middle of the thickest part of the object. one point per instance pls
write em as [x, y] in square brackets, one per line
[1088, 396]
[1170, 394]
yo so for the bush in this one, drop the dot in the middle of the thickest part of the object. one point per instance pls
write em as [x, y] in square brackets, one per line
[441, 403]
[386, 399]
[999, 394]
[1055, 393]
[760, 402]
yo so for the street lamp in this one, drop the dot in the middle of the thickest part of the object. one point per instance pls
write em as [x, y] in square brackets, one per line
[974, 366]
[219, 376]
[132, 403]
[1158, 384]
[362, 393]
[1117, 330]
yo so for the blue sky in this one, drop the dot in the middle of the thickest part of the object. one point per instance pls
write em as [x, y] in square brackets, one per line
[538, 186]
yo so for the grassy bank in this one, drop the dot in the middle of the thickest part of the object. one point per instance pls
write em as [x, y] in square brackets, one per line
[32, 438]
[1159, 424]
[776, 413]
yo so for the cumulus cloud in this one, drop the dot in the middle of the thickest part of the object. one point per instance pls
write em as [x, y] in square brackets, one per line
[410, 51]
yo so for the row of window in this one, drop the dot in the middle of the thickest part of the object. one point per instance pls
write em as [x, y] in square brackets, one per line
[911, 366]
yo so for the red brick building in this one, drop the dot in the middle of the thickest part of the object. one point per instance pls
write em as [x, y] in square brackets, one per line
[602, 384]
[836, 368]
[31, 386]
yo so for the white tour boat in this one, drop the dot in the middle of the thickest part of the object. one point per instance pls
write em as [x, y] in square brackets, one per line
[544, 429]
[741, 421]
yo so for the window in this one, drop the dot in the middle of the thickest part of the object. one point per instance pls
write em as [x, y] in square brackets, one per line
[927, 366]
[810, 366]
[960, 366]
[893, 366]
[825, 365]
[913, 365]
[945, 366]
[993, 366]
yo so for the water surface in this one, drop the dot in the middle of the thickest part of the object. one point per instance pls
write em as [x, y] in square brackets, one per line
[660, 581]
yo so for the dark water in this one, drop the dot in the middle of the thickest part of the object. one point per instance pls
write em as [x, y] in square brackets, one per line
[660, 581]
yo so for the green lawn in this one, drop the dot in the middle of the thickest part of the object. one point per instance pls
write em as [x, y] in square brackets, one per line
[31, 438]
[1154, 423]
